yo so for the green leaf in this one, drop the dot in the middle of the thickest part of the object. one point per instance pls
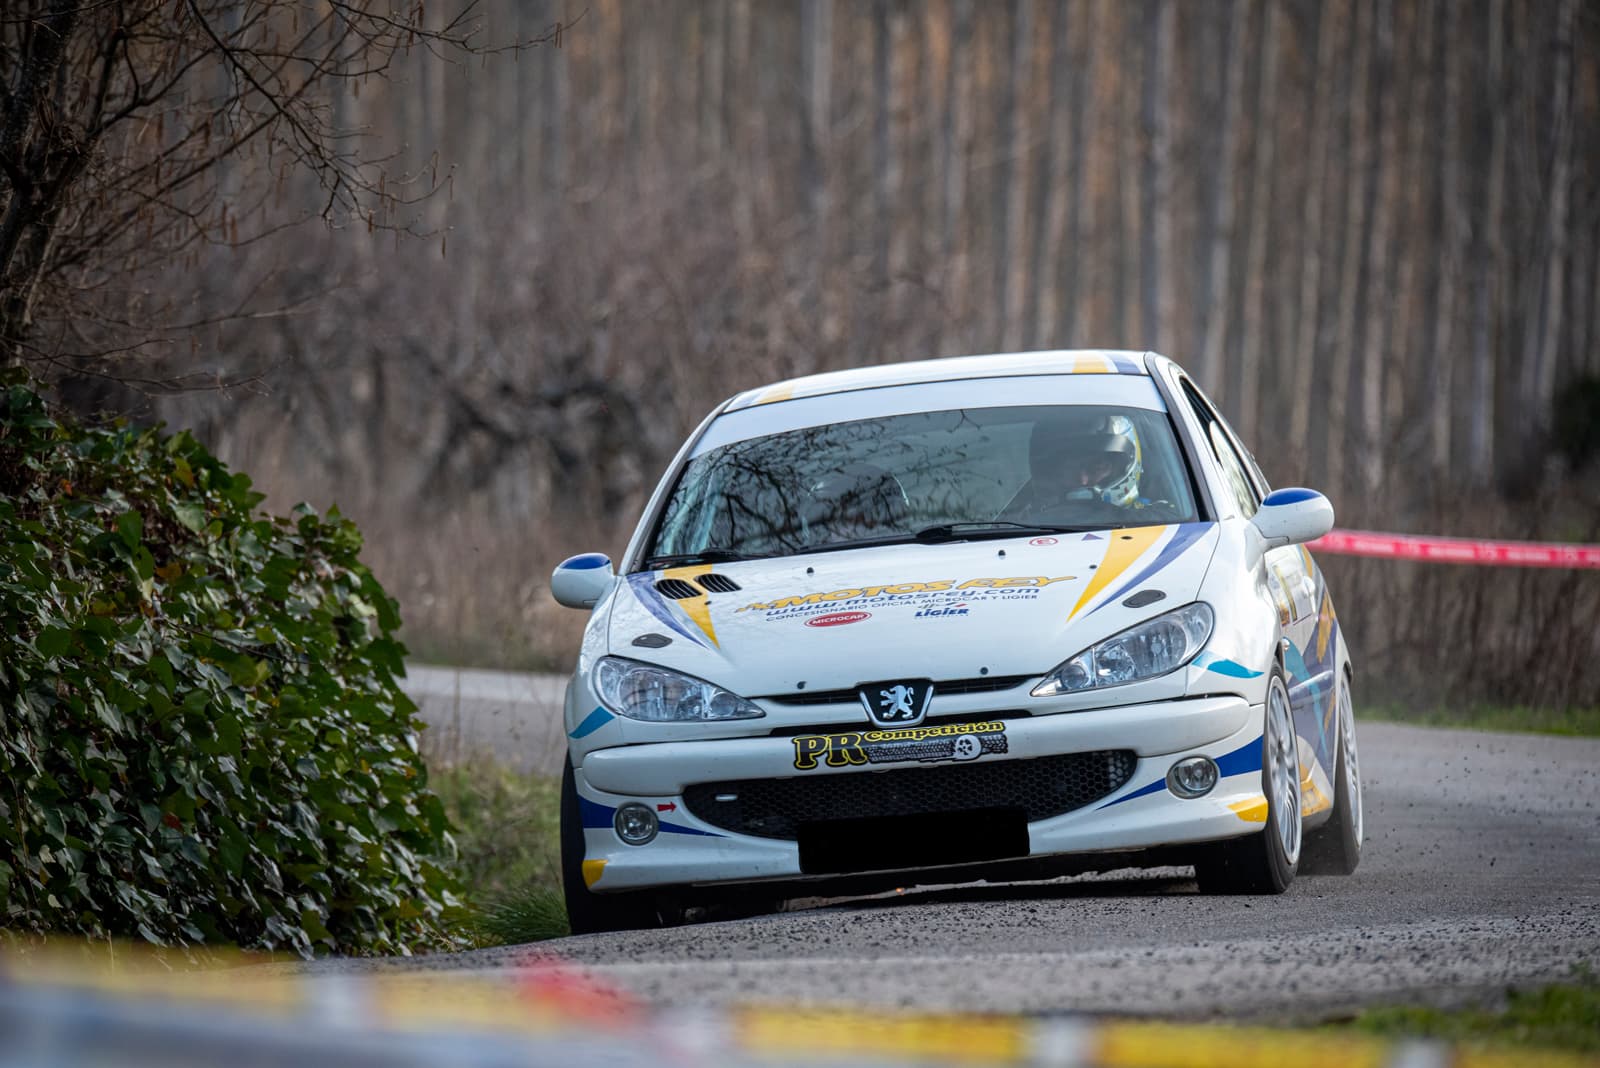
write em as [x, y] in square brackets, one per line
[130, 528]
[190, 514]
[53, 641]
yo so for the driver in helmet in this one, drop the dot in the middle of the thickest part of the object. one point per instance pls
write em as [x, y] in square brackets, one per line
[1080, 466]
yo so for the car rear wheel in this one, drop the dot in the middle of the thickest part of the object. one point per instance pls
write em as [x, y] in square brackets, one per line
[1264, 862]
[1335, 847]
[589, 912]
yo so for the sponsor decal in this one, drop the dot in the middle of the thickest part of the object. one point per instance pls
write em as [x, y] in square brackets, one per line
[670, 806]
[837, 619]
[955, 741]
[934, 611]
[956, 594]
[1044, 541]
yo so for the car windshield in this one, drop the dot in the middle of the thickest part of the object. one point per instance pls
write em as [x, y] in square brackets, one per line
[931, 476]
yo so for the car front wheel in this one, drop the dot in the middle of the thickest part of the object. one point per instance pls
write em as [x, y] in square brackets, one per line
[1264, 862]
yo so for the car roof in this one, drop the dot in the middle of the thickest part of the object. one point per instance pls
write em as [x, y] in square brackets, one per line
[999, 365]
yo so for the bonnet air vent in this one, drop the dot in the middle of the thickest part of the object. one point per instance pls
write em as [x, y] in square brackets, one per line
[678, 589]
[718, 583]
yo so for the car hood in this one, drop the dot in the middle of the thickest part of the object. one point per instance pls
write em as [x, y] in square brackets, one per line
[828, 621]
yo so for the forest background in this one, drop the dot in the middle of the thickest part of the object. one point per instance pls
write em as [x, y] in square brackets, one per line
[1370, 228]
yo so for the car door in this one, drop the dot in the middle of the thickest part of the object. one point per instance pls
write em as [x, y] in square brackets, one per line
[1297, 590]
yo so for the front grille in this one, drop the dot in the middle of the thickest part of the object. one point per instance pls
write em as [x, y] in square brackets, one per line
[678, 589]
[947, 687]
[716, 583]
[1041, 787]
[815, 697]
[987, 685]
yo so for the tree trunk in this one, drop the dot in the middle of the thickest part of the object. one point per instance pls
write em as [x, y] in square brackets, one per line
[958, 153]
[1255, 334]
[1070, 260]
[1447, 230]
[1353, 252]
[881, 155]
[1008, 204]
[1544, 326]
[1308, 313]
[1155, 249]
[1489, 250]
[1377, 296]
[1214, 303]
[1044, 295]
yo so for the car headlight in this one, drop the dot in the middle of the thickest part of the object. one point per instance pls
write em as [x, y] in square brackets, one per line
[647, 692]
[1152, 648]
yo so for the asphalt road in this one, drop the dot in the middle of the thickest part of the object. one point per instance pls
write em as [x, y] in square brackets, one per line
[1481, 870]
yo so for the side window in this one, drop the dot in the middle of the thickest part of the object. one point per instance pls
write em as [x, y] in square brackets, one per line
[1233, 468]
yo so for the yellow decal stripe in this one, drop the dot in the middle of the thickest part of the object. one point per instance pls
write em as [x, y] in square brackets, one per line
[1251, 810]
[1124, 547]
[776, 393]
[592, 870]
[1093, 365]
[1312, 799]
[1324, 626]
[694, 607]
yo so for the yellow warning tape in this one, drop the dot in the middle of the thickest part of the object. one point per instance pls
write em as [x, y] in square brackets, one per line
[984, 1040]
[1154, 1045]
[551, 996]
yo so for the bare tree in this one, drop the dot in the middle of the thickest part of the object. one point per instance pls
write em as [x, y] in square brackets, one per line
[135, 134]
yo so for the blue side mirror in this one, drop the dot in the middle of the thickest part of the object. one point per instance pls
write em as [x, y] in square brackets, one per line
[580, 581]
[1293, 516]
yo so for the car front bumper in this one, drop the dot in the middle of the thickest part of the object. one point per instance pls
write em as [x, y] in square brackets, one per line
[1141, 813]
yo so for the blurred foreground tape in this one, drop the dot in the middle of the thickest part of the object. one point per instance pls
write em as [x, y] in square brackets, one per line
[1457, 550]
[139, 1008]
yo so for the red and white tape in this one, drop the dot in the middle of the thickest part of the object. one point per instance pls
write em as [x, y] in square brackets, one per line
[1457, 550]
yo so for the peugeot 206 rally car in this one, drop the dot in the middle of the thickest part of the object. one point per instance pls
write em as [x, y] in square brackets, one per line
[985, 617]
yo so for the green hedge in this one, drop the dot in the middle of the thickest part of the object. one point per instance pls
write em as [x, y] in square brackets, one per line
[201, 736]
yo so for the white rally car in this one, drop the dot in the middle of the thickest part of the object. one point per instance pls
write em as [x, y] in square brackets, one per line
[986, 617]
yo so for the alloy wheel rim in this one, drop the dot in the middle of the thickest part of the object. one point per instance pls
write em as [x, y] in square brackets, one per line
[1284, 764]
[1352, 766]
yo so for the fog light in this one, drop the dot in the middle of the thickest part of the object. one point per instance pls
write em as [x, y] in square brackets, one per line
[1191, 777]
[636, 824]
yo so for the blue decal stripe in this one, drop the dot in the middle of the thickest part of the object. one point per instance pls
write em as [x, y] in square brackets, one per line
[678, 828]
[594, 813]
[1241, 761]
[1245, 759]
[1159, 784]
[585, 562]
[1221, 665]
[643, 583]
[592, 722]
[1186, 535]
[1125, 365]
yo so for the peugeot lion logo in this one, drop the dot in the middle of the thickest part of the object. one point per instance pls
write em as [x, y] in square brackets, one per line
[896, 704]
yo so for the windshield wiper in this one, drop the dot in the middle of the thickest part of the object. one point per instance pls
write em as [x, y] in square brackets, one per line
[703, 556]
[994, 528]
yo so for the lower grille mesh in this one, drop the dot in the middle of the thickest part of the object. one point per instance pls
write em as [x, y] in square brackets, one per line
[1041, 787]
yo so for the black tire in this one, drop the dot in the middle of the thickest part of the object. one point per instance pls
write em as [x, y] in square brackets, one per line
[588, 912]
[1263, 863]
[1335, 847]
